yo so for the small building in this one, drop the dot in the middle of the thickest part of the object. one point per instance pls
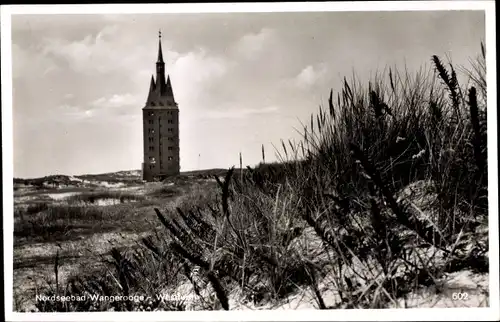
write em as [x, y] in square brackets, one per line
[160, 127]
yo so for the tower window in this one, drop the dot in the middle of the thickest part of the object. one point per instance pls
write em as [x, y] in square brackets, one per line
[152, 160]
[170, 129]
[151, 148]
[170, 158]
[152, 113]
[170, 148]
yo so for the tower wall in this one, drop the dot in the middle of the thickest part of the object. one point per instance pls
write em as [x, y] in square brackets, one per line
[160, 127]
[161, 143]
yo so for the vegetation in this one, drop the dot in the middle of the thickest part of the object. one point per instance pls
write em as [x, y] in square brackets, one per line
[91, 211]
[62, 222]
[93, 197]
[386, 192]
[57, 180]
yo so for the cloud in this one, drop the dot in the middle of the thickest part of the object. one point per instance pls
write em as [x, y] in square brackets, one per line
[199, 66]
[70, 112]
[26, 63]
[109, 50]
[107, 33]
[116, 101]
[239, 113]
[50, 69]
[310, 75]
[251, 45]
[106, 108]
[194, 73]
[84, 56]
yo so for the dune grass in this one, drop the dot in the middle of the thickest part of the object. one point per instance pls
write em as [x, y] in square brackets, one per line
[93, 197]
[62, 222]
[82, 215]
[385, 194]
[97, 211]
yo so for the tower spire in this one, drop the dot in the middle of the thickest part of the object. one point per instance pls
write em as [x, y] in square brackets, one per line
[160, 53]
[160, 69]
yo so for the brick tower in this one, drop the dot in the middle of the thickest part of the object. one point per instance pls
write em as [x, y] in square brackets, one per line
[160, 122]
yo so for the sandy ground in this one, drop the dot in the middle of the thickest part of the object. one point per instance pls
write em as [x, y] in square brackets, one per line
[458, 289]
[465, 282]
[62, 195]
[27, 194]
[36, 261]
[106, 184]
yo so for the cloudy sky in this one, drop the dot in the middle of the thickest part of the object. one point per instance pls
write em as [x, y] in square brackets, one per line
[241, 79]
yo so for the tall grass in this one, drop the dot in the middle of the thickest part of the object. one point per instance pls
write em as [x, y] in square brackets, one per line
[383, 195]
[91, 198]
[59, 222]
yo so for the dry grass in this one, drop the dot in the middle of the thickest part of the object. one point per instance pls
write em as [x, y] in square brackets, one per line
[385, 195]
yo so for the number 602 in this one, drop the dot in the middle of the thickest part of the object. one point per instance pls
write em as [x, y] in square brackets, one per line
[460, 296]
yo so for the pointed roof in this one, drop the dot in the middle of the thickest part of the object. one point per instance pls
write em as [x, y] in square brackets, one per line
[160, 53]
[169, 91]
[152, 88]
[160, 89]
[152, 85]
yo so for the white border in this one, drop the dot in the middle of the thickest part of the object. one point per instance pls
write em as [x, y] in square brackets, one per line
[491, 78]
[252, 7]
[463, 314]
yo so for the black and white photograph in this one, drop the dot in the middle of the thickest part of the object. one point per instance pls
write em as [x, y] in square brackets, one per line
[309, 161]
